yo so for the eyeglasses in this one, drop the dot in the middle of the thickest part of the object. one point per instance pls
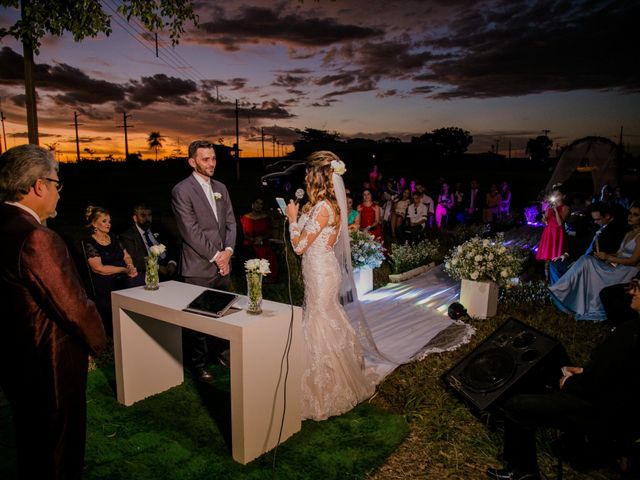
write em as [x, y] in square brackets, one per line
[57, 182]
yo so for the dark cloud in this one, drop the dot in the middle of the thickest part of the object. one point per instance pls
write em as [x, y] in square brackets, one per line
[339, 80]
[271, 109]
[40, 134]
[522, 48]
[77, 85]
[422, 90]
[255, 24]
[362, 85]
[289, 80]
[324, 103]
[161, 88]
[19, 100]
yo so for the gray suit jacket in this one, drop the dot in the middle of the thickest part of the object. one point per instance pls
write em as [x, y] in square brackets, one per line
[202, 236]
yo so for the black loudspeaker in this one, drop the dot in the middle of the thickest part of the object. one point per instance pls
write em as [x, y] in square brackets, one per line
[515, 357]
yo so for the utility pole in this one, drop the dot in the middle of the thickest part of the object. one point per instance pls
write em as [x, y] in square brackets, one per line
[29, 86]
[4, 133]
[273, 146]
[262, 141]
[619, 140]
[509, 149]
[126, 139]
[546, 132]
[237, 145]
[497, 146]
[75, 124]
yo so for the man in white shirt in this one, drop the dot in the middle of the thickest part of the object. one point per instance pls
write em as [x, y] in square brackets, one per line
[204, 215]
[417, 215]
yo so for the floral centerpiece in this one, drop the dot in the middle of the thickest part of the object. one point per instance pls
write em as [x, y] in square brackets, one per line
[408, 257]
[486, 259]
[256, 268]
[151, 276]
[366, 251]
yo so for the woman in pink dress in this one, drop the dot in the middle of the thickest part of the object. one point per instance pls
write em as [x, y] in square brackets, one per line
[445, 203]
[553, 242]
[370, 215]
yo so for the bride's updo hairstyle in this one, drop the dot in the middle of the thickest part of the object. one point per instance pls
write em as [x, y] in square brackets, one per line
[320, 181]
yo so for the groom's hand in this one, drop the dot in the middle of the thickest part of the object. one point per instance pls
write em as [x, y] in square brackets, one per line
[222, 261]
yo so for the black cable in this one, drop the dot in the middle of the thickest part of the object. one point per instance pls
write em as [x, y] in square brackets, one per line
[287, 348]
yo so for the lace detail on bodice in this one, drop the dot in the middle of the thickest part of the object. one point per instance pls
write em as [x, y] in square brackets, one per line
[316, 231]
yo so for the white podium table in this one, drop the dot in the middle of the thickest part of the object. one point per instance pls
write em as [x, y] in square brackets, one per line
[147, 334]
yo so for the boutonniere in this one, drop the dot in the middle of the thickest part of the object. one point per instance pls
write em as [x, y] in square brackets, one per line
[155, 235]
[217, 195]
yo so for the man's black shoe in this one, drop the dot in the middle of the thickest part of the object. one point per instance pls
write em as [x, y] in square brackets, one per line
[203, 375]
[506, 474]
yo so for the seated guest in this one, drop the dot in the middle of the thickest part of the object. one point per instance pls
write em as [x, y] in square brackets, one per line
[578, 290]
[417, 214]
[257, 231]
[137, 240]
[599, 402]
[369, 214]
[399, 210]
[606, 239]
[110, 266]
[613, 301]
[353, 221]
[492, 204]
[427, 200]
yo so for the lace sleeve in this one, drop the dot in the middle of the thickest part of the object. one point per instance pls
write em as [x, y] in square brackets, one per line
[301, 239]
[90, 249]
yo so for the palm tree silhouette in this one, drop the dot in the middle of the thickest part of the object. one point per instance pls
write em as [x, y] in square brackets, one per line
[155, 141]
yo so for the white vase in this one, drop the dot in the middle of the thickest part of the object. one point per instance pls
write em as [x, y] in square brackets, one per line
[479, 298]
[363, 278]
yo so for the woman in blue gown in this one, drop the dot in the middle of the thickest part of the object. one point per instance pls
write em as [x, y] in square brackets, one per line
[578, 290]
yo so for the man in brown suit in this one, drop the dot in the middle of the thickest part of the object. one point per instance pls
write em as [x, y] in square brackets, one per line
[48, 327]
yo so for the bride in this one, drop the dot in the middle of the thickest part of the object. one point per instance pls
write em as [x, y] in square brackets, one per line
[334, 379]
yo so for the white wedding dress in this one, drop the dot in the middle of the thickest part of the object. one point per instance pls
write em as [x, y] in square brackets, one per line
[334, 380]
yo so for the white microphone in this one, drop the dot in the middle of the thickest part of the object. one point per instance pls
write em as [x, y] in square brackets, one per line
[299, 194]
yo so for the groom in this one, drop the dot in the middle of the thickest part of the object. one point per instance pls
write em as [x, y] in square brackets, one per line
[205, 220]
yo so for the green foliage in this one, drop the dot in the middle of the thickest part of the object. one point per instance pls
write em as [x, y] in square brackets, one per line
[87, 18]
[538, 148]
[407, 257]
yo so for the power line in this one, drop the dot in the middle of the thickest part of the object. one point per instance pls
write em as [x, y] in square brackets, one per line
[128, 29]
[165, 54]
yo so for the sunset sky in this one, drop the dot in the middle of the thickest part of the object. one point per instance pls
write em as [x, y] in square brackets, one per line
[504, 70]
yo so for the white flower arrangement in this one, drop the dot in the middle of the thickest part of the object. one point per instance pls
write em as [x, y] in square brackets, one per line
[484, 259]
[407, 257]
[217, 195]
[157, 250]
[338, 167]
[257, 265]
[366, 250]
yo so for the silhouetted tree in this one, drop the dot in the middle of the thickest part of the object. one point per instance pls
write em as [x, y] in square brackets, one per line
[446, 142]
[155, 141]
[538, 148]
[312, 135]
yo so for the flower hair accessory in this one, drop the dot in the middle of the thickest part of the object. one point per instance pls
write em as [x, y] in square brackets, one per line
[338, 167]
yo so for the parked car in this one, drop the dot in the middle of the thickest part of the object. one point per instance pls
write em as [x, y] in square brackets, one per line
[281, 165]
[284, 184]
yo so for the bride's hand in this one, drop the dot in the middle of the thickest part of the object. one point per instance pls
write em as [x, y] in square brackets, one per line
[292, 211]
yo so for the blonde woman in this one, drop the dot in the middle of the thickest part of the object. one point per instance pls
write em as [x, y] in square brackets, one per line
[333, 381]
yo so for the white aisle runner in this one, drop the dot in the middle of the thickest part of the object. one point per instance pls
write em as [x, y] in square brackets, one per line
[409, 320]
